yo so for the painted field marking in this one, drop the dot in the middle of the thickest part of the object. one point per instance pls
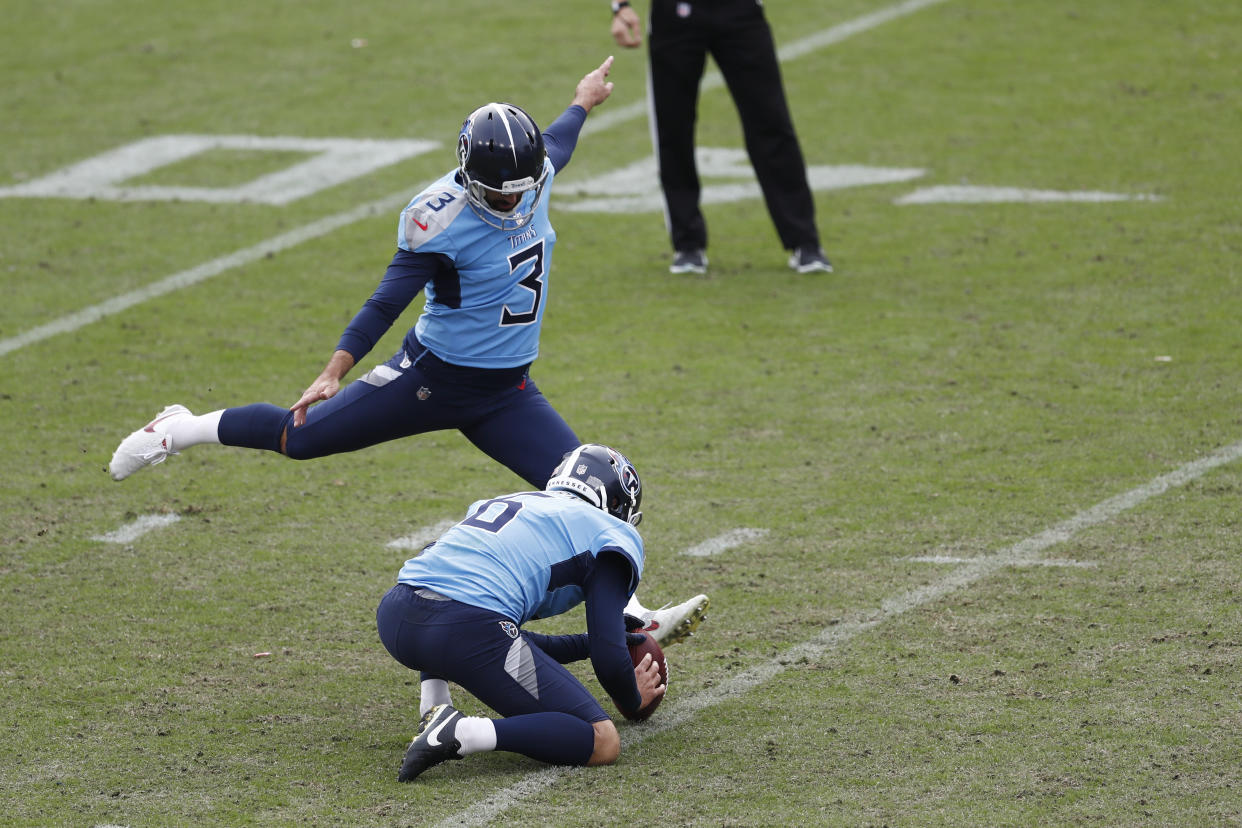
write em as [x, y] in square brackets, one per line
[135, 529]
[194, 275]
[333, 161]
[725, 542]
[597, 122]
[1013, 195]
[635, 188]
[421, 537]
[728, 687]
[953, 560]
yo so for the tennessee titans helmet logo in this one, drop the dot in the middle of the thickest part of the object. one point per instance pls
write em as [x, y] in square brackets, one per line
[629, 478]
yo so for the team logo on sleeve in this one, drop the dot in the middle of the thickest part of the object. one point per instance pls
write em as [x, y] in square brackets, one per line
[510, 629]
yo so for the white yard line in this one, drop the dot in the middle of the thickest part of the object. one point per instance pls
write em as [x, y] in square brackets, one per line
[194, 275]
[953, 559]
[1014, 195]
[844, 31]
[724, 542]
[132, 531]
[733, 685]
[421, 537]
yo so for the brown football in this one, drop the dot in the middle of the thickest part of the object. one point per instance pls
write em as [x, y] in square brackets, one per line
[637, 651]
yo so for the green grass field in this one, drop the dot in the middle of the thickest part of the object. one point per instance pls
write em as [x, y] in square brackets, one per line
[992, 463]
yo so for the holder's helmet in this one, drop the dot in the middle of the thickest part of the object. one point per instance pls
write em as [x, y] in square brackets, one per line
[602, 477]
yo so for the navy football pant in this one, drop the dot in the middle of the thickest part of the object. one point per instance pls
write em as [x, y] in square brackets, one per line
[549, 713]
[500, 411]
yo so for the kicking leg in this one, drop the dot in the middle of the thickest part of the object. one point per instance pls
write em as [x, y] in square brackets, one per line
[173, 429]
[380, 406]
[524, 433]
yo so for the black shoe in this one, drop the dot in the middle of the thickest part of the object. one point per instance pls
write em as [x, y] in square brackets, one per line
[810, 258]
[434, 744]
[689, 261]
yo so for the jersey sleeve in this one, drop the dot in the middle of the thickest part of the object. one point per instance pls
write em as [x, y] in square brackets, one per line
[405, 277]
[561, 136]
[605, 596]
[424, 224]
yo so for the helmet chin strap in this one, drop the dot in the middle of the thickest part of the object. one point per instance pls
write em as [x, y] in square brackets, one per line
[501, 220]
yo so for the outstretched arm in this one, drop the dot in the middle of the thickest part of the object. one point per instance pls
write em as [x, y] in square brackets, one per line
[561, 136]
[594, 89]
[406, 275]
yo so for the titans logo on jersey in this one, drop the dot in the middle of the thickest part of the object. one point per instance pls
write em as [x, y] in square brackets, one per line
[484, 311]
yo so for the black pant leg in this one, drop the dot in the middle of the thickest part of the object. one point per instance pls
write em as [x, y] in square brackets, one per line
[677, 52]
[744, 50]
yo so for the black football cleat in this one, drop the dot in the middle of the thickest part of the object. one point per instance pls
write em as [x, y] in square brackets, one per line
[434, 744]
[689, 261]
[810, 258]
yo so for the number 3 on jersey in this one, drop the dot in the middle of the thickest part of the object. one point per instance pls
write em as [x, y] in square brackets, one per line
[533, 282]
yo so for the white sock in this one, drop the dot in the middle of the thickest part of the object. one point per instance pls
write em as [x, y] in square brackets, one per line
[193, 431]
[475, 734]
[434, 691]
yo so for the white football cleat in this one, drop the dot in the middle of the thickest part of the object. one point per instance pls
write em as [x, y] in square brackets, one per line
[147, 446]
[669, 625]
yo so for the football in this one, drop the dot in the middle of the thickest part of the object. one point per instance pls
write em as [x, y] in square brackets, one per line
[637, 651]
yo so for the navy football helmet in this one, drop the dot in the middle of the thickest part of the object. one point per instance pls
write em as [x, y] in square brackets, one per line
[500, 153]
[602, 477]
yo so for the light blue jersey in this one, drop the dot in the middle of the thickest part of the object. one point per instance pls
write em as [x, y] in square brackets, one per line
[524, 555]
[489, 316]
